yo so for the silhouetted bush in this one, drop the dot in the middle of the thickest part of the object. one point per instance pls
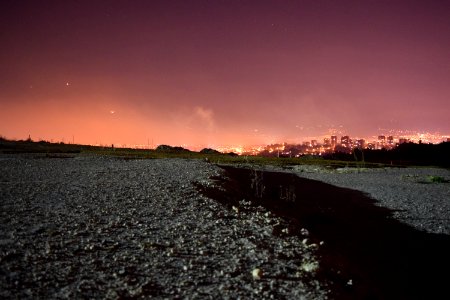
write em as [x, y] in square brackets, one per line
[167, 148]
[232, 154]
[209, 151]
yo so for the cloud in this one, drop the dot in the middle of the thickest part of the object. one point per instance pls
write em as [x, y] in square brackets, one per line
[205, 117]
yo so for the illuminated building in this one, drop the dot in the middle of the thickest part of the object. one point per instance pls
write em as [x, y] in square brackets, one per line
[313, 143]
[326, 142]
[360, 143]
[381, 142]
[371, 146]
[333, 141]
[345, 141]
[390, 140]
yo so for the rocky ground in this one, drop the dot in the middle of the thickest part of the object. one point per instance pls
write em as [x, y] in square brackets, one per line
[410, 192]
[385, 232]
[92, 227]
[418, 196]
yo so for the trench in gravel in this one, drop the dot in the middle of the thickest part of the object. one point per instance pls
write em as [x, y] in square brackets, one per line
[366, 253]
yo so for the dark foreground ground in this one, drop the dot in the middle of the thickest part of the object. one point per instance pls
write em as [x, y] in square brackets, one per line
[93, 227]
[367, 254]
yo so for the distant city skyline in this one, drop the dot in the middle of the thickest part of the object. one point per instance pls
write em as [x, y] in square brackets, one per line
[345, 143]
[323, 143]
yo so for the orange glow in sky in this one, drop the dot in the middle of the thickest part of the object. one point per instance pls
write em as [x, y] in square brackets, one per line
[221, 73]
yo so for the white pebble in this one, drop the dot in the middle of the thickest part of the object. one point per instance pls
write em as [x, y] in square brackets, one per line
[304, 232]
[257, 273]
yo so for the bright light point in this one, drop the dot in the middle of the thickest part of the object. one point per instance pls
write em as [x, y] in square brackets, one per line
[67, 84]
[112, 112]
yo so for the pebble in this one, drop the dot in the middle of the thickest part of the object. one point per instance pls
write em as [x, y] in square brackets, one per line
[102, 227]
[417, 203]
[257, 274]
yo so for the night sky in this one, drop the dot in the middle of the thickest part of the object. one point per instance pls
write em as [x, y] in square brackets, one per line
[221, 72]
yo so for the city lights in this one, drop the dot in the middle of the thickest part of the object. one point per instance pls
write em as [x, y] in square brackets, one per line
[339, 143]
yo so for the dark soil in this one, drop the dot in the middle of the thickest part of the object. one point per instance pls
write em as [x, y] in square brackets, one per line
[366, 254]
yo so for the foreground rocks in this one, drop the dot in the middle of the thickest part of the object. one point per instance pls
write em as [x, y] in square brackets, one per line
[365, 251]
[90, 227]
[410, 192]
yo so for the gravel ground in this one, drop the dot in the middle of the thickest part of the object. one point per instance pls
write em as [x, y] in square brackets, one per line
[367, 251]
[92, 227]
[408, 191]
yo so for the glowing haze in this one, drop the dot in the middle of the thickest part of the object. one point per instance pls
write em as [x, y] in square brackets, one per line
[221, 72]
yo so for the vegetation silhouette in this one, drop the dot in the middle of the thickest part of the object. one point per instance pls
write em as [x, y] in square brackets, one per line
[403, 155]
[209, 151]
[167, 148]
